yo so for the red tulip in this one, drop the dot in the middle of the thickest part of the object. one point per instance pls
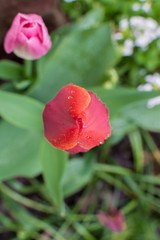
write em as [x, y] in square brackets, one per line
[76, 120]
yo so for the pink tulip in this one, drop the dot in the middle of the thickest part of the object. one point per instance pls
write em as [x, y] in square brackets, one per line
[113, 219]
[27, 37]
[76, 120]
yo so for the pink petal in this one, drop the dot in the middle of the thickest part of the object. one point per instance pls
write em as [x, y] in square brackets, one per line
[29, 48]
[30, 29]
[32, 17]
[114, 220]
[39, 41]
[46, 39]
[97, 127]
[10, 38]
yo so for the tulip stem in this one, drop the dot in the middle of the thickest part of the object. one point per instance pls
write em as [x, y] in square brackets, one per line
[28, 69]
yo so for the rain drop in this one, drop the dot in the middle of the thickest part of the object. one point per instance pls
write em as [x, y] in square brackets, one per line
[70, 97]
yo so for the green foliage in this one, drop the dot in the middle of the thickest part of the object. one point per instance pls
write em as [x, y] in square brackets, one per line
[118, 98]
[53, 166]
[65, 204]
[137, 149]
[21, 111]
[80, 58]
[19, 152]
[128, 109]
[147, 118]
[78, 173]
[10, 70]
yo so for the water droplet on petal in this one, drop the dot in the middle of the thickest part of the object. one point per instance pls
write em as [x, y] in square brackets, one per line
[70, 97]
[100, 142]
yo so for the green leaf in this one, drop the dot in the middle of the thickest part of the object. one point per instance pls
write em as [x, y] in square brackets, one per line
[92, 19]
[10, 70]
[19, 152]
[53, 164]
[21, 111]
[120, 127]
[137, 149]
[147, 118]
[81, 58]
[78, 173]
[118, 98]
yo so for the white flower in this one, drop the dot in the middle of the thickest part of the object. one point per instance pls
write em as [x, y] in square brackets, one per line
[123, 24]
[153, 79]
[145, 30]
[146, 7]
[153, 102]
[128, 47]
[136, 7]
[145, 87]
[117, 36]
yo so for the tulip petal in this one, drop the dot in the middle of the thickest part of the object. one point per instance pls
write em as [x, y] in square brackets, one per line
[60, 129]
[30, 48]
[97, 127]
[76, 149]
[113, 219]
[10, 38]
[44, 31]
[36, 42]
[77, 99]
[76, 120]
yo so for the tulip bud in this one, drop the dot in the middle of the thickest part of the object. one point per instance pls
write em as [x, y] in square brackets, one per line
[76, 120]
[27, 37]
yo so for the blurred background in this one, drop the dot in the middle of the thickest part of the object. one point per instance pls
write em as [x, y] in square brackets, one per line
[112, 192]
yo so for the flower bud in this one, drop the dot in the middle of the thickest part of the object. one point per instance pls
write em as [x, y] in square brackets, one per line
[76, 120]
[27, 37]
